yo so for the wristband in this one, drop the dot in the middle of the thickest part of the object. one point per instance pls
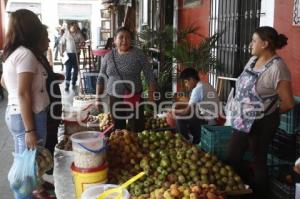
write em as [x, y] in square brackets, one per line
[28, 131]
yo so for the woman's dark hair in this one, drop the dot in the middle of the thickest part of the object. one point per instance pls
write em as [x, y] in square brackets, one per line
[44, 35]
[24, 29]
[276, 41]
[109, 43]
[189, 73]
[124, 29]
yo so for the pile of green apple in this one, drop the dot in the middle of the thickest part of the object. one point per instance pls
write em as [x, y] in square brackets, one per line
[167, 159]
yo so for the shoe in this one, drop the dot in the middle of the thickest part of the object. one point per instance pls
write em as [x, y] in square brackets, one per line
[41, 195]
[74, 87]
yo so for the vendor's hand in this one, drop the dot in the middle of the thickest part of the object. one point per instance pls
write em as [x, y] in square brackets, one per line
[151, 96]
[99, 106]
[30, 140]
[171, 113]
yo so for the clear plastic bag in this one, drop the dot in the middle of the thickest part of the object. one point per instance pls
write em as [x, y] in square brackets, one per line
[229, 107]
[63, 180]
[22, 175]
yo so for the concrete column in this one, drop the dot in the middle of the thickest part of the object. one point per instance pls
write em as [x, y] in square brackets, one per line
[95, 23]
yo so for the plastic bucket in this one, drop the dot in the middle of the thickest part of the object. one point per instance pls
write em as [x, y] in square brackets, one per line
[85, 178]
[95, 191]
[89, 149]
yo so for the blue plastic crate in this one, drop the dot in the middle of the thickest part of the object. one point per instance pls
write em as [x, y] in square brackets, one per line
[214, 139]
[290, 121]
[90, 80]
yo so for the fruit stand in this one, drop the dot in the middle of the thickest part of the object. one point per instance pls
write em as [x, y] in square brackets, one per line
[174, 167]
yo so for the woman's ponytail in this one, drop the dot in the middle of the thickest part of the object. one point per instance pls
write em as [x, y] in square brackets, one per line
[281, 41]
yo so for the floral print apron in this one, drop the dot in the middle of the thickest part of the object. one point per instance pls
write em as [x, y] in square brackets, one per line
[247, 104]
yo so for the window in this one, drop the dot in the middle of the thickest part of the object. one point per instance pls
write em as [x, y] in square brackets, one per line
[105, 24]
[105, 14]
[238, 19]
[296, 12]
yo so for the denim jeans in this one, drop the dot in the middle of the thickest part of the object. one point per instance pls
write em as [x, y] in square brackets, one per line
[72, 63]
[16, 127]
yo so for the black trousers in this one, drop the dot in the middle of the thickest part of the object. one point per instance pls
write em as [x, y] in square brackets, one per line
[72, 63]
[257, 141]
[190, 126]
[136, 122]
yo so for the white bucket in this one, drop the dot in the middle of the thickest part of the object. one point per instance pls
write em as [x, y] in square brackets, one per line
[95, 191]
[89, 149]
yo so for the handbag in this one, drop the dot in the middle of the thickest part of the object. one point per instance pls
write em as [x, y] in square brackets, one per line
[128, 97]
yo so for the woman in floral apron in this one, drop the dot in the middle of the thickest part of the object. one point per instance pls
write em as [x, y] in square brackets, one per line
[263, 91]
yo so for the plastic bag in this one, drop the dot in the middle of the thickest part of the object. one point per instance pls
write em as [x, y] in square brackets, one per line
[229, 107]
[63, 180]
[22, 175]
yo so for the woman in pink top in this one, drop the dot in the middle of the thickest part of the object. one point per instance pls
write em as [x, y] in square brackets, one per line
[25, 80]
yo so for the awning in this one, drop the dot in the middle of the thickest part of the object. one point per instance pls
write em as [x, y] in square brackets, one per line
[34, 7]
[74, 11]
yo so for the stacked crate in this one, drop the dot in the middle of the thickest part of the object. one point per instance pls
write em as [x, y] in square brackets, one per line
[290, 121]
[281, 190]
[286, 141]
[284, 150]
[214, 139]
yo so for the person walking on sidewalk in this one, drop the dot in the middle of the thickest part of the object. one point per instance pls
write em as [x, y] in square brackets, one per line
[71, 42]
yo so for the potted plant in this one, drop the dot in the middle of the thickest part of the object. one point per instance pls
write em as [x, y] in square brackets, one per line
[183, 52]
[199, 55]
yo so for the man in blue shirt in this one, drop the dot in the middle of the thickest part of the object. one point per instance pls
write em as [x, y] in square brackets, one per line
[202, 108]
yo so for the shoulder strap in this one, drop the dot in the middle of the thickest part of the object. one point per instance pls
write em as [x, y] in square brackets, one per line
[115, 64]
[271, 61]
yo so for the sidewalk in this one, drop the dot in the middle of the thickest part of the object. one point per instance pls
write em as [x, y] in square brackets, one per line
[6, 149]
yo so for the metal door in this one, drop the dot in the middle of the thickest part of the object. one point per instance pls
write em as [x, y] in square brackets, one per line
[238, 19]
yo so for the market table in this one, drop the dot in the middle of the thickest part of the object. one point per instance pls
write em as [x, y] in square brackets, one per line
[98, 53]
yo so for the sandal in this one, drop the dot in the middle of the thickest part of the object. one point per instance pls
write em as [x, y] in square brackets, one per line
[41, 195]
[48, 186]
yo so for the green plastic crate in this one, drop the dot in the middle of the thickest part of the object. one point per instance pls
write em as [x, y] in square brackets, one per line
[214, 139]
[274, 161]
[290, 121]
